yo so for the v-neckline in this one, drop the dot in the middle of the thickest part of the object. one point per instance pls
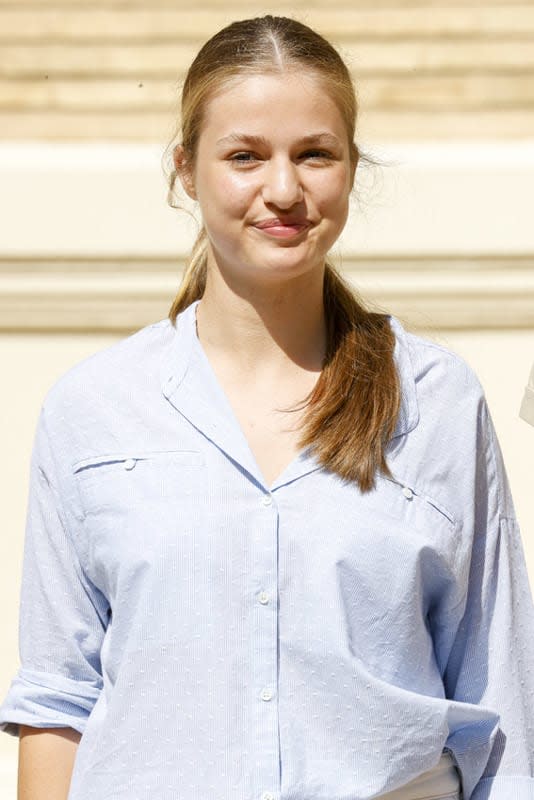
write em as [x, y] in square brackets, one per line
[233, 420]
[187, 380]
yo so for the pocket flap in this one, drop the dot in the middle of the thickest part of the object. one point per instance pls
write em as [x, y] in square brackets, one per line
[128, 459]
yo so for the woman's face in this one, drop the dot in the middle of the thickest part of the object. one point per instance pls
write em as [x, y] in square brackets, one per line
[272, 176]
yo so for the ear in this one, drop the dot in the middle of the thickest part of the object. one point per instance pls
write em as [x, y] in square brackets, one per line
[184, 171]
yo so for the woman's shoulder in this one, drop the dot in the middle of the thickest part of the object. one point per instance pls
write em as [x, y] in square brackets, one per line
[435, 369]
[451, 437]
[112, 369]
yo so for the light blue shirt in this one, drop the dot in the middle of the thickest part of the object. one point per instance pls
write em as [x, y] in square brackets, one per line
[215, 637]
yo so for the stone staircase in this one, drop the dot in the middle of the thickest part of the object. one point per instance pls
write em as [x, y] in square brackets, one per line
[111, 70]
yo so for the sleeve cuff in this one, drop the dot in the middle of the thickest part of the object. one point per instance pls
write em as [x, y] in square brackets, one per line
[505, 787]
[45, 700]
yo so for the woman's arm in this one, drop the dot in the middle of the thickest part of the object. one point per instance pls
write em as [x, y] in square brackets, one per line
[46, 759]
[62, 623]
[490, 661]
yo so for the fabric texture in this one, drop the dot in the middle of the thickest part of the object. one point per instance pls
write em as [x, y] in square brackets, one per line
[526, 411]
[212, 636]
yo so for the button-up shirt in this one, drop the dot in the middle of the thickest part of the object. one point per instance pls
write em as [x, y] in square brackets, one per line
[212, 636]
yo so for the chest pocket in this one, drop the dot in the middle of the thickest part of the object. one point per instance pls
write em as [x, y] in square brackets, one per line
[139, 509]
[134, 476]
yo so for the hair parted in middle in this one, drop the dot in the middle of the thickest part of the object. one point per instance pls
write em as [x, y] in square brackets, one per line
[351, 414]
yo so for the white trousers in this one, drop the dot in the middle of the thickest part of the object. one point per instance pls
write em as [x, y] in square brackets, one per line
[442, 782]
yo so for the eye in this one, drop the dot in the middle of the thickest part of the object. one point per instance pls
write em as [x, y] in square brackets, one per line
[317, 155]
[243, 157]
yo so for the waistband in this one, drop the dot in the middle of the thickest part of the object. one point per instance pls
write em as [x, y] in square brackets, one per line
[442, 781]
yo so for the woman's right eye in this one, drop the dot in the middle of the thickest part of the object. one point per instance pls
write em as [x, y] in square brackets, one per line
[243, 158]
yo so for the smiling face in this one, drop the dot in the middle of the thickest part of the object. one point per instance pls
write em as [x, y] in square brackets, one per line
[272, 175]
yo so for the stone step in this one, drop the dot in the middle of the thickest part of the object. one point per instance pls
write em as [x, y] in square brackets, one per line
[432, 68]
[428, 93]
[247, 7]
[65, 22]
[172, 60]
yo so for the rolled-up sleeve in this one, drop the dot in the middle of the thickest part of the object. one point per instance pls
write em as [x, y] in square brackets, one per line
[63, 615]
[492, 659]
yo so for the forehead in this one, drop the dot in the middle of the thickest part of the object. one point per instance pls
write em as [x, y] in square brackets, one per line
[268, 105]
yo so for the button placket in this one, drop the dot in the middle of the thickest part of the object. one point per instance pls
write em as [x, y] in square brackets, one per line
[264, 644]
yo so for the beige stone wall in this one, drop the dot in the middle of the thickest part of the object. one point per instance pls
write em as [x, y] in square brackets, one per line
[440, 235]
[109, 69]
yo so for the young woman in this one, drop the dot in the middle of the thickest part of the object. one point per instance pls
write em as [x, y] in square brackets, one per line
[271, 551]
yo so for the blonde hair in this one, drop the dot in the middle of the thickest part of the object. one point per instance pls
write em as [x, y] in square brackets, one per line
[351, 414]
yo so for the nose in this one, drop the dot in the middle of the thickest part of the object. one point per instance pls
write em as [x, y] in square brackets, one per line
[282, 186]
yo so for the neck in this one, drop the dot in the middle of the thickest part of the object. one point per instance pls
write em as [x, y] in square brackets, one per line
[276, 327]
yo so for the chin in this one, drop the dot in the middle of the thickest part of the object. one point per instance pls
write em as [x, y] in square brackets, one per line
[289, 270]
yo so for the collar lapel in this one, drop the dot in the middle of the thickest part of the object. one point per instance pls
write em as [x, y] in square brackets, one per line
[190, 385]
[409, 409]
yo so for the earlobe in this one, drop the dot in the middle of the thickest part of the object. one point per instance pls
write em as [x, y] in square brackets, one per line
[184, 171]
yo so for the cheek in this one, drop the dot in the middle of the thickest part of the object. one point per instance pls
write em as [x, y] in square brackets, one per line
[332, 191]
[333, 200]
[230, 195]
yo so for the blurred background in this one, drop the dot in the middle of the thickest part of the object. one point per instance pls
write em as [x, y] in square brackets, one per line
[441, 231]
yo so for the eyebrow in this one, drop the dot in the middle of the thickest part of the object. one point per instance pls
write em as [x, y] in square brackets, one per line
[322, 138]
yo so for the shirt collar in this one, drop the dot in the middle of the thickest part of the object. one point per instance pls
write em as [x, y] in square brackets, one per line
[190, 385]
[409, 409]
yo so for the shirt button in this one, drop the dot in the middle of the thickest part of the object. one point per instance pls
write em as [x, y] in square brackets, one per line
[267, 796]
[266, 500]
[129, 463]
[407, 492]
[266, 694]
[264, 598]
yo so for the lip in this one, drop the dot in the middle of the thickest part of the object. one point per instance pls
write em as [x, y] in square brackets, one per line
[283, 228]
[280, 222]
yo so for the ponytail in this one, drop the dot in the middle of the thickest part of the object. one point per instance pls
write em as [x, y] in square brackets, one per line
[354, 406]
[194, 278]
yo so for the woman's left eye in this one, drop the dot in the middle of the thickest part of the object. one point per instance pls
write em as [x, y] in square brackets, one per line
[317, 154]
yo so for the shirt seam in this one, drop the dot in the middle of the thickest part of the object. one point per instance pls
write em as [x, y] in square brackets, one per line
[493, 456]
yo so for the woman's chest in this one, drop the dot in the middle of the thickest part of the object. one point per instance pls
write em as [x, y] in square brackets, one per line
[193, 517]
